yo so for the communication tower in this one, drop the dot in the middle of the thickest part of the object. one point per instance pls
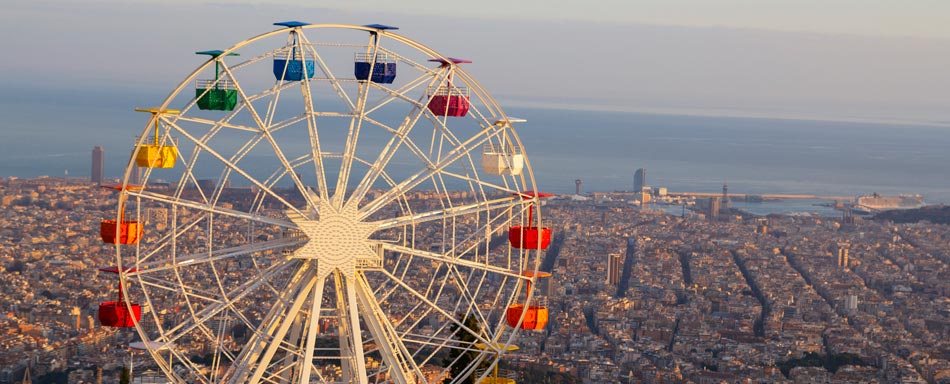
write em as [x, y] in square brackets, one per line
[725, 195]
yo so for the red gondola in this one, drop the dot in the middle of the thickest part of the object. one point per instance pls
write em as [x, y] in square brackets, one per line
[449, 99]
[530, 237]
[119, 313]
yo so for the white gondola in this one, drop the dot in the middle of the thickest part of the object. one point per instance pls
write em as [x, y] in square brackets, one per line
[500, 159]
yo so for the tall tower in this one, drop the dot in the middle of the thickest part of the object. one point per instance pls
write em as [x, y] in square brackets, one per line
[613, 269]
[98, 160]
[725, 195]
[577, 184]
[639, 179]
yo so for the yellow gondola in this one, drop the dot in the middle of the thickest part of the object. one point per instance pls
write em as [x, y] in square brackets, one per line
[497, 376]
[156, 155]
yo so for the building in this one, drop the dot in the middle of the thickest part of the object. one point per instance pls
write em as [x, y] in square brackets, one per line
[712, 210]
[841, 252]
[98, 162]
[613, 269]
[577, 185]
[639, 179]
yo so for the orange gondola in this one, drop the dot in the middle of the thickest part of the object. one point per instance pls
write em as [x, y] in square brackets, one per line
[122, 231]
[531, 317]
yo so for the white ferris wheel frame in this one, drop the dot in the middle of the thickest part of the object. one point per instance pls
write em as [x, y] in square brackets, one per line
[357, 298]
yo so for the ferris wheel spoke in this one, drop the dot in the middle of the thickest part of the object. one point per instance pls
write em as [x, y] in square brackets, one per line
[479, 337]
[468, 296]
[450, 212]
[401, 365]
[293, 175]
[277, 342]
[265, 129]
[213, 256]
[208, 208]
[482, 183]
[208, 312]
[349, 149]
[438, 343]
[351, 339]
[316, 151]
[361, 115]
[269, 336]
[224, 124]
[313, 327]
[449, 260]
[419, 177]
[334, 82]
[166, 241]
[387, 153]
[237, 169]
[409, 144]
[400, 93]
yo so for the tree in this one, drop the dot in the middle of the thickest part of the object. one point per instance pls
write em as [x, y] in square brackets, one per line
[126, 377]
[465, 339]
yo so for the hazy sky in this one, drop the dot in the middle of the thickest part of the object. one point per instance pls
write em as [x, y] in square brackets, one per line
[840, 59]
[922, 18]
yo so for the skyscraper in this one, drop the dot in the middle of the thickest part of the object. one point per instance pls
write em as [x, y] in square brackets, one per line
[639, 179]
[577, 184]
[712, 211]
[98, 159]
[613, 269]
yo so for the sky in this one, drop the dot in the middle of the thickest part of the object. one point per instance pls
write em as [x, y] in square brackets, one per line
[865, 60]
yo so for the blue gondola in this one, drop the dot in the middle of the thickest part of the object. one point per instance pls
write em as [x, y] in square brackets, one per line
[384, 69]
[293, 66]
[382, 65]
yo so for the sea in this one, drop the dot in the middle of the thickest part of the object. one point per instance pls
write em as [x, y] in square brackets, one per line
[51, 132]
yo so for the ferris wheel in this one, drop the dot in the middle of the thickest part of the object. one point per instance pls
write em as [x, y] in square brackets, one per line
[295, 212]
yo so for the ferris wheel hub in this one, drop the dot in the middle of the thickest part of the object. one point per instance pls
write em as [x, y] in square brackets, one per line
[338, 240]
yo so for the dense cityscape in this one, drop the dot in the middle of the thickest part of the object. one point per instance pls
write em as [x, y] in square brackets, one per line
[637, 295]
